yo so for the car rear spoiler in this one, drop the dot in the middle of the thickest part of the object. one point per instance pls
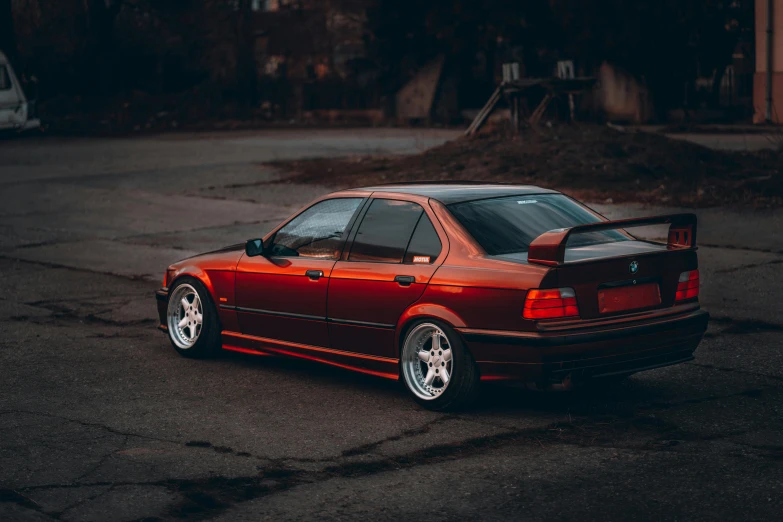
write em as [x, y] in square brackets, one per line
[549, 248]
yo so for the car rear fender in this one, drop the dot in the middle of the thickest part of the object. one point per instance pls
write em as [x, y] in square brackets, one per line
[425, 311]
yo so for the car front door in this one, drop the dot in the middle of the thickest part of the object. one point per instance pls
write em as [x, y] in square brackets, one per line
[393, 255]
[282, 295]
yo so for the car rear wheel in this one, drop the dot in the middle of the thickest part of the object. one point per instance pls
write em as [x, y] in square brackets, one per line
[191, 320]
[437, 369]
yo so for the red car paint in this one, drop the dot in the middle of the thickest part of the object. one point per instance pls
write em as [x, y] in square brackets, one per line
[355, 314]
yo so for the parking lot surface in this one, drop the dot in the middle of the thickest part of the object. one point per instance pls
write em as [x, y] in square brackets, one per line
[100, 419]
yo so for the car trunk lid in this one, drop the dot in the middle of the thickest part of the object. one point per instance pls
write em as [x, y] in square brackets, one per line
[619, 277]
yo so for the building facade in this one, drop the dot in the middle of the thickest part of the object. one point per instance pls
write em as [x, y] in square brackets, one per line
[768, 80]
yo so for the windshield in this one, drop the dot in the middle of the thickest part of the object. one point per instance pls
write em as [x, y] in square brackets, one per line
[508, 225]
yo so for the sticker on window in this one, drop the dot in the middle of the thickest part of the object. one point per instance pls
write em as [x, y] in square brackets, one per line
[526, 202]
[421, 259]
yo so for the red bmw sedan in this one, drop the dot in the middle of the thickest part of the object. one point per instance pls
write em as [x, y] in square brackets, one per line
[447, 285]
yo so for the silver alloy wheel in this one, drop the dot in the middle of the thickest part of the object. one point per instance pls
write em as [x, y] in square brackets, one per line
[427, 361]
[185, 316]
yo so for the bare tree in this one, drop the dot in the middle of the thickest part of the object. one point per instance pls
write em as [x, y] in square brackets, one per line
[247, 75]
[99, 44]
[7, 33]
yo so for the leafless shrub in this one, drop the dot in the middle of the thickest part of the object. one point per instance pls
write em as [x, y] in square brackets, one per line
[775, 137]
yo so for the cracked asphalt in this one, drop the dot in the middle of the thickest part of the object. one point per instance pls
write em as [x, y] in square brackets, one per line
[101, 420]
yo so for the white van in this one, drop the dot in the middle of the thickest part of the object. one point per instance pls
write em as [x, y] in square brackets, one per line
[15, 110]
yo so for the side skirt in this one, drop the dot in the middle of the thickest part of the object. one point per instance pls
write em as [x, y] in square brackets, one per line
[370, 364]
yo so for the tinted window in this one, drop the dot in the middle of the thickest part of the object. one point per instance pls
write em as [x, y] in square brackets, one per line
[5, 79]
[425, 244]
[509, 224]
[316, 232]
[385, 231]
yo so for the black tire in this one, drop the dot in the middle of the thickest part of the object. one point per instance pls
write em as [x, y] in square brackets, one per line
[464, 387]
[209, 342]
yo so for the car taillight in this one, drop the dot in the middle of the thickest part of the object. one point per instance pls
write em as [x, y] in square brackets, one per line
[550, 304]
[688, 286]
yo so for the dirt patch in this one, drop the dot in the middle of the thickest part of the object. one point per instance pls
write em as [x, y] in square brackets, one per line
[591, 162]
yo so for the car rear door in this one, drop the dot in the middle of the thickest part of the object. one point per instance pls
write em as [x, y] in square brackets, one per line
[282, 295]
[393, 254]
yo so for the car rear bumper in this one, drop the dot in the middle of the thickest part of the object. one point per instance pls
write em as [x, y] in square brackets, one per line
[575, 355]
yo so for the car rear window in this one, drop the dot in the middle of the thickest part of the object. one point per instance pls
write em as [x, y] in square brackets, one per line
[508, 225]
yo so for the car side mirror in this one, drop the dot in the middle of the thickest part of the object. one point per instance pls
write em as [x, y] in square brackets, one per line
[254, 247]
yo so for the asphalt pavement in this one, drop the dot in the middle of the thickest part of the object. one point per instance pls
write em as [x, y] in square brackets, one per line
[740, 138]
[100, 419]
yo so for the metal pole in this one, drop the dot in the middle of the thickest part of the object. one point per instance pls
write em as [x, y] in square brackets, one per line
[770, 61]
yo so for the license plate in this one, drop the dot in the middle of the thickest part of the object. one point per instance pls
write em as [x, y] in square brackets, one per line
[624, 298]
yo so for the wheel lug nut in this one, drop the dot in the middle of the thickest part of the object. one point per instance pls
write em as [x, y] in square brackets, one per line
[443, 364]
[437, 371]
[440, 353]
[430, 364]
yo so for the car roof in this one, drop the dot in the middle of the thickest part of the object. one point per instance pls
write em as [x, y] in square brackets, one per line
[458, 192]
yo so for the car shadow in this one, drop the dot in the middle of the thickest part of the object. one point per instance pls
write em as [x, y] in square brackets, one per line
[313, 371]
[618, 398]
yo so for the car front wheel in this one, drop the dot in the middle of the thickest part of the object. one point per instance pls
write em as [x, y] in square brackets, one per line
[437, 368]
[191, 320]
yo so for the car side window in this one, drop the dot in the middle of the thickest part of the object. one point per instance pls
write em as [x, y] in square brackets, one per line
[5, 78]
[425, 245]
[318, 231]
[385, 231]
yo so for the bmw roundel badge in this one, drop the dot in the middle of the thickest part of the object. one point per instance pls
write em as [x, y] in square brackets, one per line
[634, 267]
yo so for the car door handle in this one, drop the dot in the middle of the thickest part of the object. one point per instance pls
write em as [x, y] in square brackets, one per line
[405, 280]
[314, 274]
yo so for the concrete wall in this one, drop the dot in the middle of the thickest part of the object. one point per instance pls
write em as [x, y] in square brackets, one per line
[414, 100]
[760, 78]
[621, 97]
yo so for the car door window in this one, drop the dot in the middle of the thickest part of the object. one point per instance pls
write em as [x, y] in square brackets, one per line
[425, 245]
[318, 231]
[5, 78]
[385, 231]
